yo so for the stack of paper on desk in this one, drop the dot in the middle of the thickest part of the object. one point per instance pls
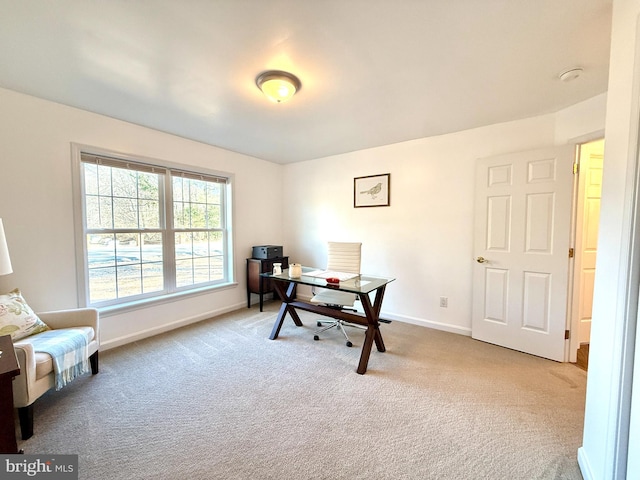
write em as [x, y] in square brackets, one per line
[342, 276]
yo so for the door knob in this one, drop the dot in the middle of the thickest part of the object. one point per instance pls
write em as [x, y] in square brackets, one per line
[482, 260]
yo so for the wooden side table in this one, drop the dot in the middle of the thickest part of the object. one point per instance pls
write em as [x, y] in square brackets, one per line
[255, 283]
[9, 368]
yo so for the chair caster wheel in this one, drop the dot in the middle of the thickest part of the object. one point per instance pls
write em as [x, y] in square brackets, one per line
[316, 337]
[349, 344]
[319, 323]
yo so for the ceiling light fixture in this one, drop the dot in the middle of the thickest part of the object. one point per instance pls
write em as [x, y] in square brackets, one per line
[277, 85]
[571, 74]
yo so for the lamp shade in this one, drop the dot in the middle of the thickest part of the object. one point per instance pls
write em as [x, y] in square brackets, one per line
[278, 86]
[5, 261]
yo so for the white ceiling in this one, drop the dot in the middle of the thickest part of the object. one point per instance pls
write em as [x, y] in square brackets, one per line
[373, 72]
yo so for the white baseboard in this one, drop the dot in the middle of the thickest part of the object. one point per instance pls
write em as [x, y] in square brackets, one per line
[414, 321]
[150, 332]
[583, 463]
[428, 323]
[123, 340]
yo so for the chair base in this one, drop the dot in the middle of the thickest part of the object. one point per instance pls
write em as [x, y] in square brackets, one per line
[25, 414]
[338, 324]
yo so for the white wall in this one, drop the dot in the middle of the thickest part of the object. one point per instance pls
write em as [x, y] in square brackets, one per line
[424, 238]
[610, 353]
[36, 206]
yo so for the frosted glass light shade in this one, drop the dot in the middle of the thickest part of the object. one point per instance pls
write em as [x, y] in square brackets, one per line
[5, 261]
[278, 86]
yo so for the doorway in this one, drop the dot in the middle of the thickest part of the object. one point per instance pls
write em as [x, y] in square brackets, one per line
[590, 162]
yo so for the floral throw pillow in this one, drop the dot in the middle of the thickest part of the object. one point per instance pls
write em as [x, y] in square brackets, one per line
[16, 317]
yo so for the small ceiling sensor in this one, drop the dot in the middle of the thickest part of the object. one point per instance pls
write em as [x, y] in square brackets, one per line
[571, 74]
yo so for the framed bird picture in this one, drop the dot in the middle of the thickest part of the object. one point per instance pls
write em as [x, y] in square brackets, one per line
[371, 191]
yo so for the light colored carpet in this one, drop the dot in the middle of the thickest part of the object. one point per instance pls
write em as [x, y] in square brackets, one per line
[219, 400]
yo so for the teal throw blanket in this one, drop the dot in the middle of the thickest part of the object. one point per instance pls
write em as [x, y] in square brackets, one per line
[69, 349]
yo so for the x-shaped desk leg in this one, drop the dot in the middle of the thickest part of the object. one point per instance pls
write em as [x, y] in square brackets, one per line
[372, 334]
[287, 298]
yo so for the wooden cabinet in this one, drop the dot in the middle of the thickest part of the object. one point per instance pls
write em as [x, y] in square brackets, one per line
[257, 284]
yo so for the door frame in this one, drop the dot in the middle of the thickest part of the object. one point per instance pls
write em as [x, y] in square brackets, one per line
[573, 343]
[573, 322]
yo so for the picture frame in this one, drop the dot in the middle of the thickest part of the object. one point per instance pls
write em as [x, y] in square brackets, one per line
[372, 191]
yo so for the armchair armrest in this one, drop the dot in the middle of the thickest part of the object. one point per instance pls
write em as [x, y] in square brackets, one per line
[23, 384]
[78, 317]
[26, 358]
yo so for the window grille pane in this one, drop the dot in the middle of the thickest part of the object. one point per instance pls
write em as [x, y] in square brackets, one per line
[178, 195]
[92, 209]
[129, 280]
[197, 191]
[125, 213]
[214, 217]
[91, 180]
[102, 284]
[213, 192]
[149, 214]
[99, 212]
[184, 245]
[216, 245]
[124, 183]
[148, 187]
[104, 181]
[101, 250]
[179, 215]
[151, 248]
[105, 213]
[152, 277]
[184, 272]
[198, 215]
[217, 268]
[201, 272]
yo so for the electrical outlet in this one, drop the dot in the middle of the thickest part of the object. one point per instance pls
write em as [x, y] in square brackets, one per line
[444, 302]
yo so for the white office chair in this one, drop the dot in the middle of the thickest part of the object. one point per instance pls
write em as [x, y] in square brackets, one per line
[342, 257]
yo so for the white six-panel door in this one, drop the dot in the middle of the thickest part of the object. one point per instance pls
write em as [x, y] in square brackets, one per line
[521, 249]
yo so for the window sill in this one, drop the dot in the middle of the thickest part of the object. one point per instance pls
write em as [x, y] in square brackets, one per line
[151, 302]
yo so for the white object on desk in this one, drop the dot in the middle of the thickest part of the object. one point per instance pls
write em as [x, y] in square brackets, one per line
[295, 270]
[342, 276]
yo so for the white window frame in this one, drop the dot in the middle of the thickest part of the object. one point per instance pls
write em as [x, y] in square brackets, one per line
[170, 291]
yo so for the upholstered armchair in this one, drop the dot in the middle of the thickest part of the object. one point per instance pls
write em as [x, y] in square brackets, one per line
[36, 369]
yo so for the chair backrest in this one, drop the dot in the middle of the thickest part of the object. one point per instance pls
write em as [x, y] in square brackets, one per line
[344, 257]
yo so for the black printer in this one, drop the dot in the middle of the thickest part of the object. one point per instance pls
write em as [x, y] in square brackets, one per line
[267, 251]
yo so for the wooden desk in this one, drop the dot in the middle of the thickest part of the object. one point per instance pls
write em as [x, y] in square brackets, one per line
[361, 286]
[8, 369]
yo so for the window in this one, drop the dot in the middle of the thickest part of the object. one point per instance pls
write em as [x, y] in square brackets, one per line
[150, 230]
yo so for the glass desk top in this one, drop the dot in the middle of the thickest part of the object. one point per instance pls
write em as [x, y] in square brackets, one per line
[357, 284]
